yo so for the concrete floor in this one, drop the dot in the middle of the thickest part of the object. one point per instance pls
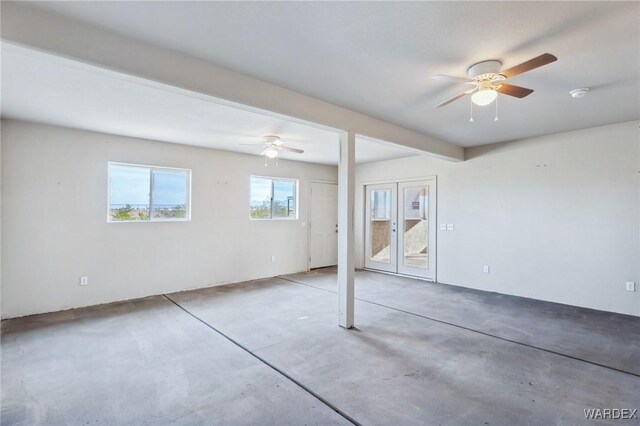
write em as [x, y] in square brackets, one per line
[422, 353]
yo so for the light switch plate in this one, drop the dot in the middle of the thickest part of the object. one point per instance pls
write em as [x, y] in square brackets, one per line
[443, 226]
[631, 286]
[450, 227]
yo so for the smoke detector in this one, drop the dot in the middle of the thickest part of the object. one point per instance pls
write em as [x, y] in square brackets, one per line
[578, 93]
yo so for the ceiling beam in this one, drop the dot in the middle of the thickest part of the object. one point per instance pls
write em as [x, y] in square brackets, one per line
[72, 39]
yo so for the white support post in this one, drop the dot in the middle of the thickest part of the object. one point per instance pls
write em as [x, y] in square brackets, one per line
[346, 236]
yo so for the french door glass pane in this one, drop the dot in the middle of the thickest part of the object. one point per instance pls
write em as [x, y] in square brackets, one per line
[416, 227]
[380, 217]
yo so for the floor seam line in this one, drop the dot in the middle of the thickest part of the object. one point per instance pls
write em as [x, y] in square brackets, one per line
[267, 363]
[471, 330]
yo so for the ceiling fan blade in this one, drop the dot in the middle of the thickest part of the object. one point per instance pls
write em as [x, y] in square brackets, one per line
[251, 144]
[264, 151]
[544, 59]
[286, 148]
[517, 91]
[451, 78]
[456, 97]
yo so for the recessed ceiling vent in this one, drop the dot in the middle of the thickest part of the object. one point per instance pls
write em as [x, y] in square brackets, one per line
[578, 93]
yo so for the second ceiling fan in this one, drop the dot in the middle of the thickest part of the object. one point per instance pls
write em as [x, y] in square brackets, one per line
[488, 80]
[272, 146]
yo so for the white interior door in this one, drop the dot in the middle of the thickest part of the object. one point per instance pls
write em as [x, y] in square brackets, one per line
[323, 224]
[417, 228]
[380, 233]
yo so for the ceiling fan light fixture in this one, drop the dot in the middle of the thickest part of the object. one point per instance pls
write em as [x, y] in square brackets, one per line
[487, 77]
[271, 153]
[273, 140]
[484, 97]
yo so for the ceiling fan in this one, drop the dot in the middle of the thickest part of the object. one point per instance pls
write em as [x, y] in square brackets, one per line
[488, 80]
[272, 145]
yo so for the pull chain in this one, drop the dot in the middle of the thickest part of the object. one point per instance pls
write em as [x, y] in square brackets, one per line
[496, 119]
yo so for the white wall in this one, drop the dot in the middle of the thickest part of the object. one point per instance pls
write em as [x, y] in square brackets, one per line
[568, 232]
[557, 217]
[54, 221]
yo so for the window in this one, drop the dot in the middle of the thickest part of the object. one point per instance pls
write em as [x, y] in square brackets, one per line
[145, 193]
[273, 198]
[381, 205]
[416, 200]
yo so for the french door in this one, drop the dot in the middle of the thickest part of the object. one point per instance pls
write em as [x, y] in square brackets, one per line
[400, 228]
[381, 230]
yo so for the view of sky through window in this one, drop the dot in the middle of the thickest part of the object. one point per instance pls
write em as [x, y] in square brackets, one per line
[129, 185]
[130, 197]
[272, 198]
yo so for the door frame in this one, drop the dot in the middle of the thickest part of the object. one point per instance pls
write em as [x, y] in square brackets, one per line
[330, 182]
[364, 224]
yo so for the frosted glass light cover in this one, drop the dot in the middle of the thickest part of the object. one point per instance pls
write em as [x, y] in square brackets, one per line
[484, 97]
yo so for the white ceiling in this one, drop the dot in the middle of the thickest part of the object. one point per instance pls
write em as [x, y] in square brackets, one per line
[376, 57]
[48, 89]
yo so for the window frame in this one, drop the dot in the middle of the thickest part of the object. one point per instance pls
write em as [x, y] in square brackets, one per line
[151, 169]
[273, 179]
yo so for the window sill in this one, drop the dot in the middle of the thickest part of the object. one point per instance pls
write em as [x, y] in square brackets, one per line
[149, 221]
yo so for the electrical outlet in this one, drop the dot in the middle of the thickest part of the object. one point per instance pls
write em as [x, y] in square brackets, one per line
[631, 286]
[273, 259]
[443, 226]
[450, 227]
[84, 280]
[486, 269]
